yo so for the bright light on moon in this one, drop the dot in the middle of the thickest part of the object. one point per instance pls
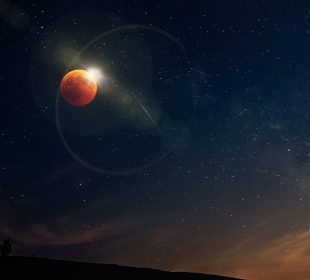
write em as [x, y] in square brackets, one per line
[95, 74]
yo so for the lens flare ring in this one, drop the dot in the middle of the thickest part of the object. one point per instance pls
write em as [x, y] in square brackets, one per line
[96, 72]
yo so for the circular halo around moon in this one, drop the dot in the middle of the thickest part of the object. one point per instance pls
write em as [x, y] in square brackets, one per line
[172, 141]
[173, 135]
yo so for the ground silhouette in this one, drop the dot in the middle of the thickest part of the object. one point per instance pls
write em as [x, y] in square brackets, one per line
[41, 268]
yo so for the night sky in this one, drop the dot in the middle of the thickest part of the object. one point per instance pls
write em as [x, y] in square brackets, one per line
[195, 153]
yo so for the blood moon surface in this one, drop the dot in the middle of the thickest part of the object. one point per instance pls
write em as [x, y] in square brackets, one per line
[79, 87]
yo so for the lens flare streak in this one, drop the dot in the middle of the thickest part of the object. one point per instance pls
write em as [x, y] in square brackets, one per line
[147, 113]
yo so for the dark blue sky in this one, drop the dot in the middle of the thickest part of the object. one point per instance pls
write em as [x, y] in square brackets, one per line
[195, 153]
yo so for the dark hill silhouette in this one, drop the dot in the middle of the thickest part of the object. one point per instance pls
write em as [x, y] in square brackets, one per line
[41, 268]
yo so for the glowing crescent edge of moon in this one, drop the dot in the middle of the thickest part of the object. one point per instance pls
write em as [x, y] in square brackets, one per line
[95, 74]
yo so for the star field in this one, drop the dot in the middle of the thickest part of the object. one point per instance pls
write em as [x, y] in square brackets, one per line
[222, 184]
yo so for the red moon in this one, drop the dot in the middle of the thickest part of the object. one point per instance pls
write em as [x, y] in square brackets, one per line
[78, 88]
